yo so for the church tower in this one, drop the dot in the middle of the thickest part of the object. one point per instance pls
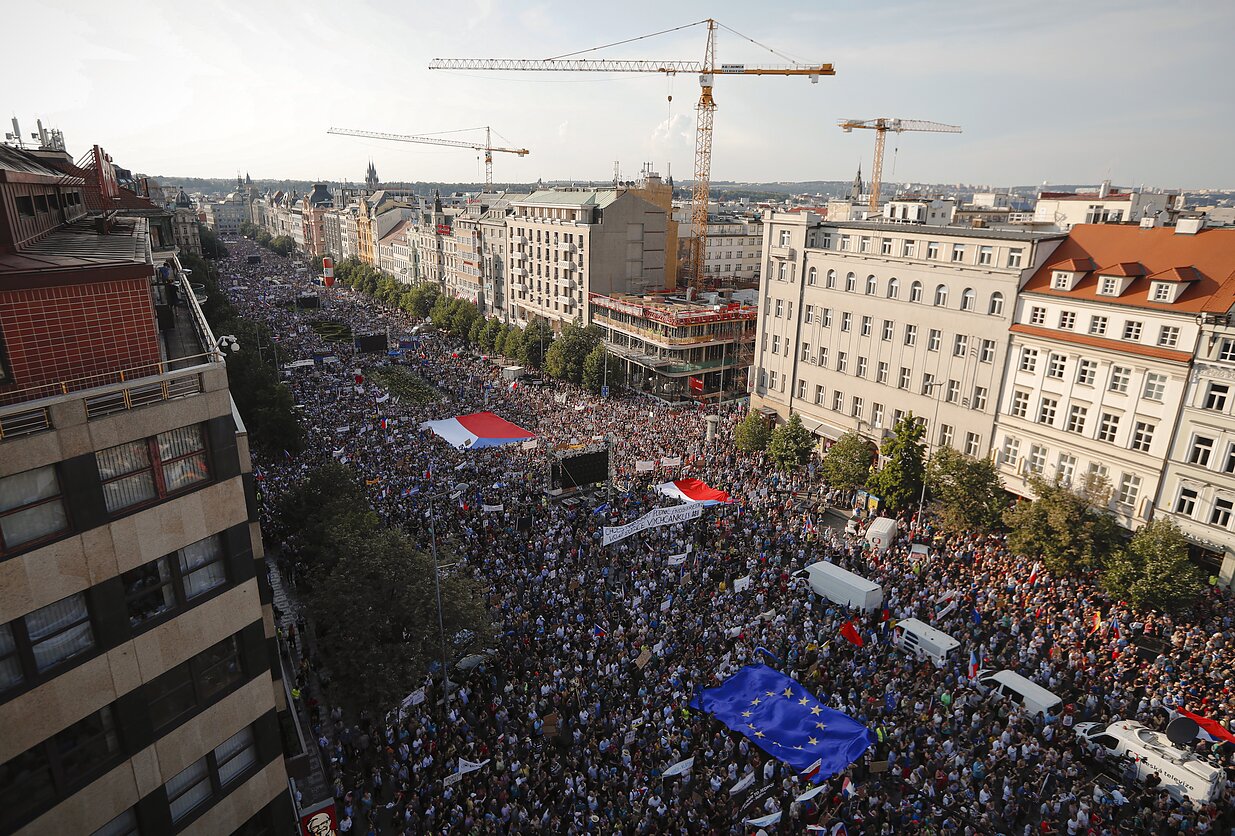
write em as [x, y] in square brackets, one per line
[370, 177]
[855, 191]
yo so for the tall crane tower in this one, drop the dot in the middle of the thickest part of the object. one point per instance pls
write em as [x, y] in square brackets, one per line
[705, 110]
[881, 127]
[488, 147]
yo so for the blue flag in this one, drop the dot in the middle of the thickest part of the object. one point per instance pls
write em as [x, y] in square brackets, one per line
[781, 717]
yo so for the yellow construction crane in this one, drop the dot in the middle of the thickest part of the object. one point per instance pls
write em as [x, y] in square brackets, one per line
[488, 147]
[705, 109]
[881, 127]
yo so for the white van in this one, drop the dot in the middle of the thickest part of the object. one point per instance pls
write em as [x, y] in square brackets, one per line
[840, 586]
[881, 533]
[1009, 684]
[1147, 752]
[924, 641]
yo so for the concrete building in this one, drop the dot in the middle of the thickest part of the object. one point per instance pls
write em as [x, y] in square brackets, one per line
[432, 229]
[1105, 205]
[184, 225]
[313, 209]
[136, 687]
[567, 244]
[225, 216]
[733, 251]
[475, 264]
[861, 323]
[676, 349]
[1100, 363]
[393, 251]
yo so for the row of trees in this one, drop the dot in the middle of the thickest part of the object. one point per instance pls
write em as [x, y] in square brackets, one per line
[283, 245]
[1070, 529]
[576, 355]
[371, 592]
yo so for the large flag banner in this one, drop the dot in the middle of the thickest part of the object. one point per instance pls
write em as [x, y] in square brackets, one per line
[477, 430]
[1211, 730]
[693, 490]
[780, 716]
[652, 519]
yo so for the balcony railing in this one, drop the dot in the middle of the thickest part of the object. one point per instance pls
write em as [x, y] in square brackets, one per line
[781, 252]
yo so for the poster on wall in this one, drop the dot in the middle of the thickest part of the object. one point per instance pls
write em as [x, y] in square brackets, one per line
[322, 821]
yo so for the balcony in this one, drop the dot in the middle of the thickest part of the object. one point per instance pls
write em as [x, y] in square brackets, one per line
[519, 272]
[521, 240]
[781, 252]
[566, 247]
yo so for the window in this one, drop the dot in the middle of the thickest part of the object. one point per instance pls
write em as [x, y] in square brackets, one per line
[881, 373]
[1086, 371]
[1216, 395]
[782, 272]
[1097, 325]
[1046, 410]
[831, 279]
[1076, 418]
[941, 296]
[784, 237]
[909, 248]
[885, 246]
[915, 292]
[887, 330]
[780, 308]
[1142, 436]
[932, 250]
[1015, 257]
[191, 686]
[1108, 426]
[1061, 280]
[986, 256]
[1036, 461]
[968, 299]
[37, 778]
[1155, 387]
[806, 355]
[1108, 286]
[986, 354]
[979, 397]
[846, 321]
[862, 364]
[838, 401]
[1221, 514]
[851, 283]
[946, 431]
[1168, 336]
[808, 314]
[1120, 378]
[855, 409]
[31, 508]
[996, 306]
[876, 415]
[958, 252]
[894, 288]
[823, 357]
[960, 345]
[801, 388]
[872, 286]
[1055, 365]
[140, 471]
[827, 317]
[25, 206]
[1132, 330]
[1161, 292]
[1229, 467]
[1020, 404]
[864, 244]
[1037, 315]
[904, 379]
[953, 393]
[812, 276]
[165, 584]
[1011, 450]
[825, 241]
[928, 383]
[1227, 351]
[1186, 503]
[772, 381]
[933, 340]
[1202, 449]
[1065, 468]
[124, 824]
[911, 335]
[819, 394]
[842, 361]
[867, 325]
[1029, 359]
[1067, 320]
[776, 343]
[1129, 489]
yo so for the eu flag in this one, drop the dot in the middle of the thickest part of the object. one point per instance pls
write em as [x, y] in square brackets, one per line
[780, 716]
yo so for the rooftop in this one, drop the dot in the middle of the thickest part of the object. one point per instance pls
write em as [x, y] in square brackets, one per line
[62, 255]
[925, 231]
[571, 197]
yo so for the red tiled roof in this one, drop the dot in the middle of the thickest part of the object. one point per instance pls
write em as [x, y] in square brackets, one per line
[1101, 342]
[1075, 265]
[1177, 274]
[1123, 268]
[1209, 254]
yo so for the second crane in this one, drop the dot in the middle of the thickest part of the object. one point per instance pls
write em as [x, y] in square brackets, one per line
[488, 147]
[881, 127]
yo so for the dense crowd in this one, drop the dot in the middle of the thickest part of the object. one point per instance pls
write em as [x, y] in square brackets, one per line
[597, 650]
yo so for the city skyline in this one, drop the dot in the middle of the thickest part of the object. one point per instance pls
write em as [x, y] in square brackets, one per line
[1055, 94]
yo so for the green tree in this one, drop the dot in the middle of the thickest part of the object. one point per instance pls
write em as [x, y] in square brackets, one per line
[565, 357]
[424, 298]
[600, 368]
[510, 345]
[753, 434]
[968, 492]
[263, 238]
[1154, 570]
[537, 340]
[212, 247]
[847, 464]
[1069, 530]
[899, 482]
[791, 444]
[487, 338]
[329, 497]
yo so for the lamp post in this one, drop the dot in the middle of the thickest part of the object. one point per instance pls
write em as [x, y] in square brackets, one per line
[437, 589]
[934, 421]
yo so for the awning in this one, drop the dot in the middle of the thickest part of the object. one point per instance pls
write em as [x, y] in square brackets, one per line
[479, 429]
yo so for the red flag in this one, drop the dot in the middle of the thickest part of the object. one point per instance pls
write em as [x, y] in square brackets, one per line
[1214, 731]
[851, 634]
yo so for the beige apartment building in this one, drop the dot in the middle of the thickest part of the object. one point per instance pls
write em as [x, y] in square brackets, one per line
[863, 322]
[136, 635]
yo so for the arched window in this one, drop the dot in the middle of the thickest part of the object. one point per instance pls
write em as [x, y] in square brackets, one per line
[831, 280]
[941, 296]
[871, 286]
[851, 283]
[812, 276]
[915, 292]
[996, 308]
[968, 299]
[894, 288]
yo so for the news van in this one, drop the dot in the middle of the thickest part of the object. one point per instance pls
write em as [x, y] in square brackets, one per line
[881, 533]
[1147, 752]
[1011, 685]
[924, 641]
[840, 586]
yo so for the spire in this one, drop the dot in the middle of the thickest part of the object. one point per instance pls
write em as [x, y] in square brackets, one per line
[370, 177]
[855, 191]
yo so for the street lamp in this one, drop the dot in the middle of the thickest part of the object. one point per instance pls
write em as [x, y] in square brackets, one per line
[437, 585]
[934, 421]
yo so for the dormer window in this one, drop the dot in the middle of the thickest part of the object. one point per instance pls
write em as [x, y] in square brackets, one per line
[1109, 286]
[1062, 280]
[1164, 291]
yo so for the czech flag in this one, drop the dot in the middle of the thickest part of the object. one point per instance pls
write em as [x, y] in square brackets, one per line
[975, 664]
[477, 430]
[597, 632]
[1211, 730]
[847, 789]
[693, 490]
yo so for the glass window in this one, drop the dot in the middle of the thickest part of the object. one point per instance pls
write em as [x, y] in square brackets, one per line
[235, 756]
[866, 326]
[915, 292]
[812, 276]
[1086, 371]
[987, 353]
[1202, 450]
[979, 397]
[969, 299]
[934, 338]
[1029, 359]
[59, 631]
[1011, 450]
[149, 591]
[1120, 378]
[1036, 461]
[128, 478]
[202, 567]
[1132, 330]
[960, 345]
[831, 281]
[139, 471]
[1216, 396]
[996, 306]
[1037, 315]
[941, 296]
[1186, 504]
[846, 321]
[872, 286]
[1221, 514]
[1155, 387]
[894, 288]
[10, 664]
[1046, 411]
[1055, 365]
[851, 283]
[887, 330]
[30, 507]
[1227, 350]
[1076, 418]
[189, 789]
[1020, 404]
[1108, 426]
[1142, 436]
[1067, 320]
[911, 335]
[1168, 336]
[124, 824]
[1097, 325]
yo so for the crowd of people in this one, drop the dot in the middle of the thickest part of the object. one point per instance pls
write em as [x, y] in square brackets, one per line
[582, 703]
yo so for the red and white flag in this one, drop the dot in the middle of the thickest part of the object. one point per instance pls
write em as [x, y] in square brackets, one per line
[1211, 730]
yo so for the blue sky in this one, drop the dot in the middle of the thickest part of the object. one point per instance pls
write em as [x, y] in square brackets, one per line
[1048, 91]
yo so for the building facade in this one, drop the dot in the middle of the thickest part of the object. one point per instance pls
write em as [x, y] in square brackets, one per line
[1106, 204]
[136, 684]
[733, 252]
[861, 323]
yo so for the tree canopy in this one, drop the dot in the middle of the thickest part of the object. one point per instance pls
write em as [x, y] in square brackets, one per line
[898, 483]
[847, 463]
[565, 357]
[753, 434]
[1154, 570]
[601, 368]
[1069, 530]
[791, 444]
[967, 492]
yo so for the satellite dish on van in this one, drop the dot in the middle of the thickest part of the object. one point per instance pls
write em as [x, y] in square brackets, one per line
[1182, 730]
